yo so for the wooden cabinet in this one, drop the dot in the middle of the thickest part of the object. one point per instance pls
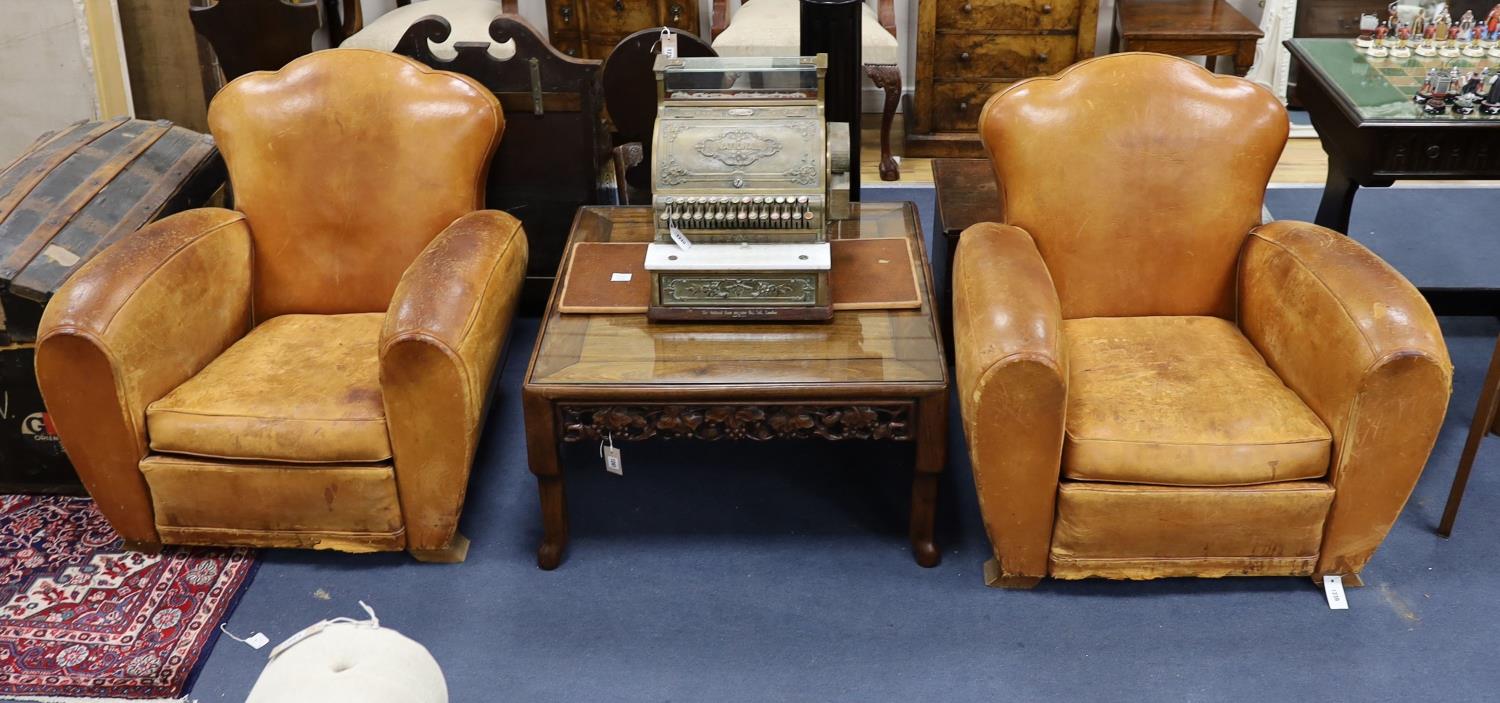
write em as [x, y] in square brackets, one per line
[969, 49]
[590, 29]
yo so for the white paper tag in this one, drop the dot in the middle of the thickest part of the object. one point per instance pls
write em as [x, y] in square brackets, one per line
[256, 641]
[668, 43]
[1333, 587]
[612, 462]
[679, 237]
[619, 278]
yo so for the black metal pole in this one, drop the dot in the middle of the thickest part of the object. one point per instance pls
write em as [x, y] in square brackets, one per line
[833, 27]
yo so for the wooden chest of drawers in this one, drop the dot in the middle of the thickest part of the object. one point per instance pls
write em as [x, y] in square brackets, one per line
[590, 29]
[969, 49]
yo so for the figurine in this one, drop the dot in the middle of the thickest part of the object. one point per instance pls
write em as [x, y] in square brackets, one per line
[1450, 45]
[1492, 23]
[1402, 49]
[1428, 47]
[1465, 105]
[1491, 103]
[1367, 25]
[1378, 49]
[1469, 36]
[1434, 107]
[1475, 84]
[1425, 93]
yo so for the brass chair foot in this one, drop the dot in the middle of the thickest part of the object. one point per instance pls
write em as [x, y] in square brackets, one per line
[456, 551]
[143, 546]
[994, 578]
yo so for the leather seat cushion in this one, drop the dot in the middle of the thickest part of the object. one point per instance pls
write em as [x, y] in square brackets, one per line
[1182, 401]
[298, 388]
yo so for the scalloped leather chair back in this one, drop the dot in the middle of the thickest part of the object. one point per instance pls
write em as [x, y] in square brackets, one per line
[345, 181]
[1140, 202]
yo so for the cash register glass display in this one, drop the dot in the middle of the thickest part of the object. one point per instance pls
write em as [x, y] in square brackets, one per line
[741, 78]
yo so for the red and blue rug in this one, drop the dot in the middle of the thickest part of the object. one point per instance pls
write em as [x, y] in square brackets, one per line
[82, 617]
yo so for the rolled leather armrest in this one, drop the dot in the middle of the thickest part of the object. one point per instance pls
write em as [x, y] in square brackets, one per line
[1362, 348]
[1013, 383]
[129, 326]
[445, 329]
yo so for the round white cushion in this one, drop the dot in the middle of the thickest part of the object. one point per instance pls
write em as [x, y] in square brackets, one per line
[469, 19]
[773, 28]
[350, 662]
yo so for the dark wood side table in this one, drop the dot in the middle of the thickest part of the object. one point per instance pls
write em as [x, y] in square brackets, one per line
[1375, 134]
[865, 375]
[1209, 28]
[966, 195]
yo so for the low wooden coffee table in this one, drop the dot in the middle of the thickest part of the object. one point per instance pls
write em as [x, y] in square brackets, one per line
[865, 375]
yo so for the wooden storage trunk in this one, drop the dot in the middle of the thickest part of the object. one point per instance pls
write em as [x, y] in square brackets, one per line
[72, 193]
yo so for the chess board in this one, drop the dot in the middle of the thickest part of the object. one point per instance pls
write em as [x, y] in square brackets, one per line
[1406, 75]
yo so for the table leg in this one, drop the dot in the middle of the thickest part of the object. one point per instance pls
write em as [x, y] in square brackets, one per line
[923, 516]
[1244, 58]
[1338, 200]
[887, 77]
[542, 455]
[554, 521]
[932, 455]
[1484, 417]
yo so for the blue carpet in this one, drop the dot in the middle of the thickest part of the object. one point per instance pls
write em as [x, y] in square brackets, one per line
[1434, 236]
[756, 573]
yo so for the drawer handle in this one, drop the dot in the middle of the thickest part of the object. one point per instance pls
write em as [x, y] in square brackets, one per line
[1047, 9]
[964, 57]
[968, 8]
[676, 13]
[619, 5]
[1434, 151]
[1041, 57]
[573, 52]
[567, 13]
[963, 106]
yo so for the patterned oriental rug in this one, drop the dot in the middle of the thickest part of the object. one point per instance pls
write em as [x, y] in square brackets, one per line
[80, 617]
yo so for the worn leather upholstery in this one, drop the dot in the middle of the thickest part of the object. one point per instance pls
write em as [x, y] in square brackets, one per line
[1152, 385]
[311, 370]
[298, 388]
[1182, 401]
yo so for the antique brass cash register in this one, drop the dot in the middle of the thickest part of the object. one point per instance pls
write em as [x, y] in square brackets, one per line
[747, 176]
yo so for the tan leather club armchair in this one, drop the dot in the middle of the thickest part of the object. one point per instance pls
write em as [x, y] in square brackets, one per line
[310, 370]
[1155, 384]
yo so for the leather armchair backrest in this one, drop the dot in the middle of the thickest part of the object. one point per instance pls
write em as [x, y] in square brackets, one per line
[346, 163]
[1138, 176]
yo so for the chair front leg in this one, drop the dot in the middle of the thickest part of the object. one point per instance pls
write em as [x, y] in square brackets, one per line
[887, 77]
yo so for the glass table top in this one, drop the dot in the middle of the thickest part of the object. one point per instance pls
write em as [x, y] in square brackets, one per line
[855, 347]
[1383, 88]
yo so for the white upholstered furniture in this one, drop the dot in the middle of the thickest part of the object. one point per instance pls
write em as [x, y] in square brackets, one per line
[772, 28]
[348, 661]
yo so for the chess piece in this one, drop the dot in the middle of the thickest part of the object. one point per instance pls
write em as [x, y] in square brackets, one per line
[1492, 24]
[1465, 105]
[1434, 107]
[1491, 103]
[1428, 47]
[1402, 49]
[1469, 36]
[1378, 49]
[1451, 84]
[1367, 25]
[1425, 93]
[1449, 49]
